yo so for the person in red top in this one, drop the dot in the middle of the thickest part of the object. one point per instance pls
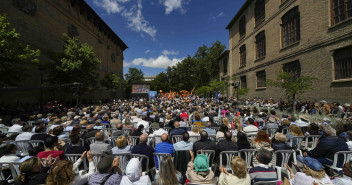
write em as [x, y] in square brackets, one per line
[184, 115]
[50, 144]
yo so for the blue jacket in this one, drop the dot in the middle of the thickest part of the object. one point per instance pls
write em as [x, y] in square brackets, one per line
[327, 147]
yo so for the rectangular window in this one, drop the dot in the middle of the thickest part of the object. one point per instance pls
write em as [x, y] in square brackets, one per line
[243, 80]
[290, 27]
[292, 67]
[259, 11]
[260, 45]
[343, 63]
[225, 62]
[243, 55]
[261, 79]
[341, 10]
[242, 26]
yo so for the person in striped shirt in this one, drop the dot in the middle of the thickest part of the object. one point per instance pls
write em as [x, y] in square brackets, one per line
[263, 172]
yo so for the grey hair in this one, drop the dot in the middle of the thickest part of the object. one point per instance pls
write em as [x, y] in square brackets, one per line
[264, 156]
[329, 131]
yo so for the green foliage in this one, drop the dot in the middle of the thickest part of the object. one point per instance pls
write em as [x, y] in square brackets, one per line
[219, 86]
[110, 81]
[196, 71]
[14, 55]
[77, 64]
[242, 92]
[292, 84]
[160, 82]
[204, 91]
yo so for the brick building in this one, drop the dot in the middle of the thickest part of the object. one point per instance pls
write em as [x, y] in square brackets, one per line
[307, 37]
[42, 23]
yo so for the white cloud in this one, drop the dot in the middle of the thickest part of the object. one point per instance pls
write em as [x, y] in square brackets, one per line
[147, 51]
[171, 52]
[162, 61]
[126, 64]
[221, 14]
[134, 15]
[172, 5]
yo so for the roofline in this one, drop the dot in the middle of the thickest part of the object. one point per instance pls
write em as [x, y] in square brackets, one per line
[223, 54]
[98, 21]
[239, 13]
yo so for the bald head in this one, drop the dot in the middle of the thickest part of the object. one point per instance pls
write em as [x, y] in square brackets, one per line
[99, 136]
[176, 124]
[90, 126]
[119, 126]
[164, 137]
[143, 138]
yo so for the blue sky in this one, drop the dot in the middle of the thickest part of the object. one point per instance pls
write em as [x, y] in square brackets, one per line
[160, 33]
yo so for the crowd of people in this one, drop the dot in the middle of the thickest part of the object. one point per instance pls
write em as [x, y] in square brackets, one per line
[179, 141]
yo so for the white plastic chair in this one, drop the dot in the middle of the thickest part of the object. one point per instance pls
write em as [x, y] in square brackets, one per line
[347, 155]
[74, 158]
[297, 146]
[229, 155]
[249, 153]
[176, 138]
[158, 157]
[285, 157]
[134, 140]
[311, 145]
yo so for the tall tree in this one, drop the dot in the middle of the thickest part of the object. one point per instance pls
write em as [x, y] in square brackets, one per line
[160, 82]
[292, 85]
[110, 81]
[14, 55]
[78, 63]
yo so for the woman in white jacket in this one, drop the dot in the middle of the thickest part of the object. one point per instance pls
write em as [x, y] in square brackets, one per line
[134, 174]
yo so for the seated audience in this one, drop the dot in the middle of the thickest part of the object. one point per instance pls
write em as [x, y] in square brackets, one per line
[8, 151]
[279, 143]
[143, 149]
[204, 143]
[99, 146]
[76, 146]
[108, 173]
[225, 145]
[167, 173]
[121, 146]
[40, 133]
[240, 174]
[159, 132]
[66, 173]
[327, 147]
[163, 147]
[294, 131]
[26, 134]
[32, 171]
[17, 126]
[193, 132]
[209, 130]
[242, 141]
[50, 144]
[134, 174]
[177, 130]
[198, 170]
[221, 133]
[250, 129]
[262, 172]
[185, 144]
[138, 131]
[313, 172]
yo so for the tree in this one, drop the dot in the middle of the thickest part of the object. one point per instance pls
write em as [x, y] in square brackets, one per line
[134, 76]
[78, 63]
[204, 91]
[14, 55]
[217, 86]
[292, 85]
[160, 82]
[110, 81]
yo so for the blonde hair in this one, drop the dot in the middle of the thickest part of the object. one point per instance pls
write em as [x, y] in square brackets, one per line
[239, 167]
[295, 130]
[194, 128]
[121, 141]
[280, 137]
[167, 172]
[26, 168]
[61, 173]
[225, 121]
[316, 174]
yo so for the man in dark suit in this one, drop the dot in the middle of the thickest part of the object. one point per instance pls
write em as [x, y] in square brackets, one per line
[40, 133]
[177, 130]
[225, 145]
[143, 149]
[204, 143]
[76, 147]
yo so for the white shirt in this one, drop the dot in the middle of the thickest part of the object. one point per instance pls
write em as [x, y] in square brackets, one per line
[82, 177]
[145, 124]
[9, 159]
[15, 128]
[303, 179]
[344, 180]
[250, 129]
[159, 132]
[24, 136]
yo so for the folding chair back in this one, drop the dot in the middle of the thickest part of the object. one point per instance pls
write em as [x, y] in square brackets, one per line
[271, 131]
[347, 156]
[158, 157]
[210, 154]
[228, 155]
[74, 158]
[96, 159]
[176, 138]
[311, 142]
[23, 146]
[127, 131]
[134, 140]
[144, 160]
[90, 140]
[123, 160]
[266, 183]
[193, 139]
[249, 153]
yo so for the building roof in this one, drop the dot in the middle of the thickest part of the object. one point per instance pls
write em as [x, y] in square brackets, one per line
[226, 52]
[239, 13]
[98, 22]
